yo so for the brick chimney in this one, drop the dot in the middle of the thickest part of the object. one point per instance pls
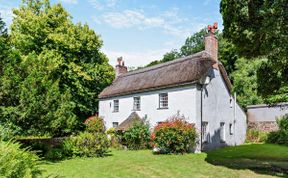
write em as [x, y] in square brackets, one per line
[211, 44]
[120, 67]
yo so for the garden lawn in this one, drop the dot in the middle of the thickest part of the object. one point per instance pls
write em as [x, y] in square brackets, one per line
[262, 160]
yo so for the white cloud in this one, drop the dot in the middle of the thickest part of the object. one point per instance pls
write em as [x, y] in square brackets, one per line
[101, 4]
[111, 3]
[135, 59]
[6, 14]
[69, 1]
[130, 18]
[169, 21]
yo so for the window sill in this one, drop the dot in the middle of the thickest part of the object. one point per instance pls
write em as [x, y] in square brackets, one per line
[162, 108]
[115, 111]
[136, 110]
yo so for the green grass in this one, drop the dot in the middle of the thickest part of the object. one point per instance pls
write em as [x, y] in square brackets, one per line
[240, 161]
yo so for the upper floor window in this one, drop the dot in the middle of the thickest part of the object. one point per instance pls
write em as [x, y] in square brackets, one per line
[137, 104]
[115, 105]
[163, 100]
[222, 131]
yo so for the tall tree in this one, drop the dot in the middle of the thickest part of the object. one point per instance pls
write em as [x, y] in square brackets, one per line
[3, 43]
[52, 84]
[259, 28]
[194, 43]
[245, 81]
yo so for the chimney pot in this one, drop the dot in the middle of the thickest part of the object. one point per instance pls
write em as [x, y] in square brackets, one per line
[211, 44]
[120, 67]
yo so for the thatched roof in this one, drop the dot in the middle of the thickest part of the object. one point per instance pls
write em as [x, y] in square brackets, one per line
[133, 118]
[174, 73]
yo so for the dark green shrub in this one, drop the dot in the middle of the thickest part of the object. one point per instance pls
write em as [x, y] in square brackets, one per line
[280, 136]
[255, 136]
[8, 131]
[137, 137]
[174, 136]
[95, 124]
[89, 145]
[17, 162]
[55, 154]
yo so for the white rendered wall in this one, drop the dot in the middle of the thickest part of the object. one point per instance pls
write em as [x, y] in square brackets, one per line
[217, 108]
[182, 99]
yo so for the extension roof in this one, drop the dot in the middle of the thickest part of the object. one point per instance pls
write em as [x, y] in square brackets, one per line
[133, 118]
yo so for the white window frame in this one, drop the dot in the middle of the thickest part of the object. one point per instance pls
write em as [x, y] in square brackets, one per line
[136, 103]
[115, 124]
[222, 132]
[205, 132]
[231, 129]
[115, 105]
[163, 101]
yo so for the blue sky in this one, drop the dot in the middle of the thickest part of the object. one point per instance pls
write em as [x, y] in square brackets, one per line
[139, 30]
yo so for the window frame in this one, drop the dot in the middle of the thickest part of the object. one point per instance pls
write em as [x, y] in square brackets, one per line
[205, 132]
[231, 129]
[222, 132]
[137, 106]
[161, 101]
[116, 105]
[115, 123]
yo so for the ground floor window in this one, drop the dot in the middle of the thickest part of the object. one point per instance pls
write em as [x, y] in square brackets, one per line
[115, 124]
[222, 131]
[205, 135]
[231, 129]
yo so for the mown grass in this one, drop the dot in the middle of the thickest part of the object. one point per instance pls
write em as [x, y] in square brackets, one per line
[225, 162]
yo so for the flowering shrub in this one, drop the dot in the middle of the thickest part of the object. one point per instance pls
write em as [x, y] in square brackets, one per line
[95, 124]
[174, 136]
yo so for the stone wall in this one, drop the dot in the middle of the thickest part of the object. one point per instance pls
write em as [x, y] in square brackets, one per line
[265, 126]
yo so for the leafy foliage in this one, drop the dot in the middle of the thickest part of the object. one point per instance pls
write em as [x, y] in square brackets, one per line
[54, 73]
[88, 144]
[245, 81]
[137, 137]
[175, 135]
[256, 136]
[95, 124]
[259, 28]
[280, 136]
[17, 162]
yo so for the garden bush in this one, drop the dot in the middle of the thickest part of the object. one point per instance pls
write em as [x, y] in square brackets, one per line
[256, 136]
[95, 124]
[280, 136]
[87, 145]
[114, 138]
[137, 137]
[174, 136]
[17, 162]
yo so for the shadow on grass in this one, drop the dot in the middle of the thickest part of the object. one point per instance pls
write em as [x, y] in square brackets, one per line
[261, 158]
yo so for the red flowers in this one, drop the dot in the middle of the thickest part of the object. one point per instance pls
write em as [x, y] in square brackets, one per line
[174, 135]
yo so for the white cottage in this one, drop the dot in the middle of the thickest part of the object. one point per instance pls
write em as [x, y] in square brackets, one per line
[196, 86]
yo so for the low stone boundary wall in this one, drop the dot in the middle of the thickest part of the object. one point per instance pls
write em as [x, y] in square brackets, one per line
[265, 126]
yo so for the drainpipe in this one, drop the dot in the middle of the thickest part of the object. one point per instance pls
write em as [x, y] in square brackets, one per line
[201, 118]
[234, 122]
